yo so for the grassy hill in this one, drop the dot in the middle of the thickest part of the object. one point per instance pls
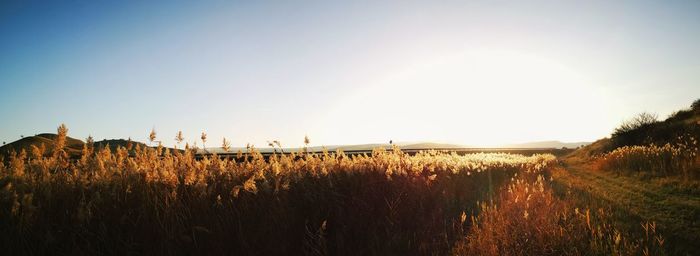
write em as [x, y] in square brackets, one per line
[644, 129]
[670, 200]
[73, 146]
[677, 126]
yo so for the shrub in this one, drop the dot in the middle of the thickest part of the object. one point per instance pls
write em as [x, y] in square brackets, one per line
[695, 106]
[634, 131]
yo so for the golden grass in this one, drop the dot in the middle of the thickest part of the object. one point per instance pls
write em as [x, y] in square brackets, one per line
[530, 220]
[157, 201]
[678, 159]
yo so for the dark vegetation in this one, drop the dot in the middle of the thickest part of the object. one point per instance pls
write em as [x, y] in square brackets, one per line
[73, 146]
[645, 129]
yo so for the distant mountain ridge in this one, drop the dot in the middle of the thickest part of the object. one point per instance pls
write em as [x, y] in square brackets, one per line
[332, 148]
[402, 145]
[75, 146]
[548, 144]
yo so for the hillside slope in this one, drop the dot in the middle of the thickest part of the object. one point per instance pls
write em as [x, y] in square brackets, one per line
[681, 124]
[672, 202]
[73, 146]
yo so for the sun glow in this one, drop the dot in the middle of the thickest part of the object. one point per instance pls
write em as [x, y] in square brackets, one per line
[480, 98]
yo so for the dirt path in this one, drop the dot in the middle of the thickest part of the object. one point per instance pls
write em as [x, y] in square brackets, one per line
[676, 212]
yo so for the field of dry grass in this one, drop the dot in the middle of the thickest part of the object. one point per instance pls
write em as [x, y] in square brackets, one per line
[145, 200]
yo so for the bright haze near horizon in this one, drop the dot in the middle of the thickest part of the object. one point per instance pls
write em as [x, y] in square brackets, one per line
[476, 72]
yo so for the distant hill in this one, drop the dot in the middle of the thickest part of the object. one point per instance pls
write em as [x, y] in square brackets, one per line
[432, 145]
[407, 145]
[548, 144]
[114, 143]
[332, 148]
[404, 146]
[73, 147]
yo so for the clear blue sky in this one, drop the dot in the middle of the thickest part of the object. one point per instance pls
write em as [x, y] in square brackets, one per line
[472, 72]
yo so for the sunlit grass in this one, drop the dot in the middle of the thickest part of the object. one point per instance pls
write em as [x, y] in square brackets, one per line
[122, 199]
[156, 200]
[677, 159]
